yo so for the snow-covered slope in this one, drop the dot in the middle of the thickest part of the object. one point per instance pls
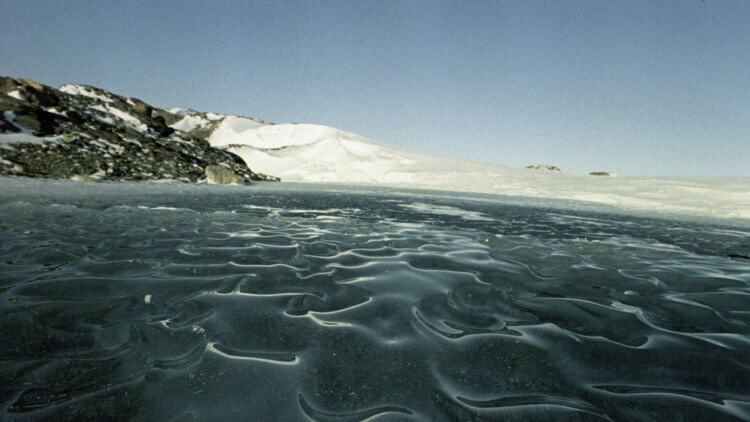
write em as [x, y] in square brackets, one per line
[315, 153]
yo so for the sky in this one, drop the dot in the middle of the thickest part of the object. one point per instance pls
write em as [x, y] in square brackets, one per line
[657, 88]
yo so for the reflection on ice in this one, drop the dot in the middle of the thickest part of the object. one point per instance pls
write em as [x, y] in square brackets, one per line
[263, 357]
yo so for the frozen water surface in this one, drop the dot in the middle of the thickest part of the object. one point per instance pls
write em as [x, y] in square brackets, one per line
[289, 302]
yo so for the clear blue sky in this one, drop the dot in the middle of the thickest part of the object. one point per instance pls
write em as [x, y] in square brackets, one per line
[635, 87]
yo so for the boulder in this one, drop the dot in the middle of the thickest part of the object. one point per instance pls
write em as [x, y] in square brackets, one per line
[8, 84]
[220, 175]
[35, 92]
[169, 118]
[161, 126]
[6, 126]
[82, 178]
[36, 86]
[141, 108]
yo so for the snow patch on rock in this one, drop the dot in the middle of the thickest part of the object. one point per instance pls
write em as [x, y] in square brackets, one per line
[127, 118]
[84, 91]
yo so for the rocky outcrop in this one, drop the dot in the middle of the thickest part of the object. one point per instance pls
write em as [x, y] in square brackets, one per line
[543, 167]
[599, 173]
[85, 132]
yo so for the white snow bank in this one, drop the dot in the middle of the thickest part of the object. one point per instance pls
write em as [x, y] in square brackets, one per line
[84, 92]
[190, 122]
[312, 153]
[127, 118]
[238, 130]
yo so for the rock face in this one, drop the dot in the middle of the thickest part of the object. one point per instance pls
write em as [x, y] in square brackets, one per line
[545, 168]
[88, 133]
[220, 175]
[599, 173]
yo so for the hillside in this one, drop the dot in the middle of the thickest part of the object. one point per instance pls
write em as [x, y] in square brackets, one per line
[84, 132]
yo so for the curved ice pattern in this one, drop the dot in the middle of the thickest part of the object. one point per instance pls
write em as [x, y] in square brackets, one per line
[509, 405]
[356, 306]
[471, 310]
[737, 407]
[274, 358]
[357, 415]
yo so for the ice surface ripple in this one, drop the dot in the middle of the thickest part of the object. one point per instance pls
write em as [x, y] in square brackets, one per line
[258, 304]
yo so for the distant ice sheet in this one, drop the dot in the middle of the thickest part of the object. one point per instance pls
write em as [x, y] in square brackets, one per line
[315, 154]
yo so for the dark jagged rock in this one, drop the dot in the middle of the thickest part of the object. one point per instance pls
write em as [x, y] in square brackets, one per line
[141, 108]
[169, 118]
[599, 173]
[542, 167]
[30, 90]
[83, 132]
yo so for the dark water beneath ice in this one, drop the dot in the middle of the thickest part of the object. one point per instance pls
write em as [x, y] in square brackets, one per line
[174, 302]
